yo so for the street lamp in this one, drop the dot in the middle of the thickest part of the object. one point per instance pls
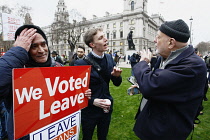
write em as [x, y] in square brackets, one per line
[191, 19]
[111, 43]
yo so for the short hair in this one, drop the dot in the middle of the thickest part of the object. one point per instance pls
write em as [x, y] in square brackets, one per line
[81, 47]
[88, 37]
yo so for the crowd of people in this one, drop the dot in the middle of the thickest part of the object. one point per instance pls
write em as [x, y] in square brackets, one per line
[172, 84]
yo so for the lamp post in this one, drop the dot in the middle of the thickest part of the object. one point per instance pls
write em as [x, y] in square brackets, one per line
[111, 43]
[191, 19]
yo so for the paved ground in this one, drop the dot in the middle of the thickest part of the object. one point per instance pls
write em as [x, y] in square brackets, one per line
[124, 65]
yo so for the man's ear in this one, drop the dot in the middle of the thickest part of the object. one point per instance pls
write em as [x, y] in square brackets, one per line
[91, 45]
[172, 43]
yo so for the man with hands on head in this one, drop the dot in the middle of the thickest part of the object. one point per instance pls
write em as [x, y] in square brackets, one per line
[173, 91]
[30, 50]
[16, 57]
[99, 110]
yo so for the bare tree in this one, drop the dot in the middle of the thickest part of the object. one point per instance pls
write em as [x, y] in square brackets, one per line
[74, 34]
[5, 9]
[20, 11]
[203, 47]
[66, 32]
[23, 10]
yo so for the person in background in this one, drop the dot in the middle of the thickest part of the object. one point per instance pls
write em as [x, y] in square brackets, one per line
[133, 61]
[56, 57]
[30, 49]
[153, 60]
[80, 54]
[173, 91]
[201, 107]
[207, 61]
[116, 58]
[110, 53]
[64, 59]
[124, 58]
[129, 57]
[98, 113]
[138, 56]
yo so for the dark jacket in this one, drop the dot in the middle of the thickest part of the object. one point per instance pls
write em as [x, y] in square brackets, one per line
[74, 58]
[16, 57]
[174, 95]
[153, 61]
[58, 59]
[100, 87]
[133, 60]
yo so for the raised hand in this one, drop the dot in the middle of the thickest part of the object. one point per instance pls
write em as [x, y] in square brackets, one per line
[116, 72]
[25, 38]
[146, 55]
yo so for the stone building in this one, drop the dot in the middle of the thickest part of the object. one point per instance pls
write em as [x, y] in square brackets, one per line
[116, 27]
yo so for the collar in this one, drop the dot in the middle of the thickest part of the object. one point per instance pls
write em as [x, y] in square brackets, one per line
[172, 56]
[81, 57]
[97, 56]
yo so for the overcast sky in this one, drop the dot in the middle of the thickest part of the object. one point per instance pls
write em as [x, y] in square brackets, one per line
[43, 11]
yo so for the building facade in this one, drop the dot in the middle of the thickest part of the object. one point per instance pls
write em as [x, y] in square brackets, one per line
[116, 28]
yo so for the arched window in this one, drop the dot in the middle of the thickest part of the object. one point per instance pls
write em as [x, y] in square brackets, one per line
[107, 35]
[120, 51]
[132, 5]
[114, 35]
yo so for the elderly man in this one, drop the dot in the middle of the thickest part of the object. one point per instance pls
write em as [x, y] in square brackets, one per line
[173, 91]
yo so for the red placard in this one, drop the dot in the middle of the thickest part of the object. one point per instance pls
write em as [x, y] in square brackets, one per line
[44, 95]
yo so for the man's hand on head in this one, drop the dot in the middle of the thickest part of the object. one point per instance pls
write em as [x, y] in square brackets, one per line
[25, 38]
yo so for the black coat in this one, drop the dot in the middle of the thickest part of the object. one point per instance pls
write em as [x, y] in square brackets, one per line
[174, 95]
[100, 87]
[58, 59]
[133, 60]
[16, 57]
